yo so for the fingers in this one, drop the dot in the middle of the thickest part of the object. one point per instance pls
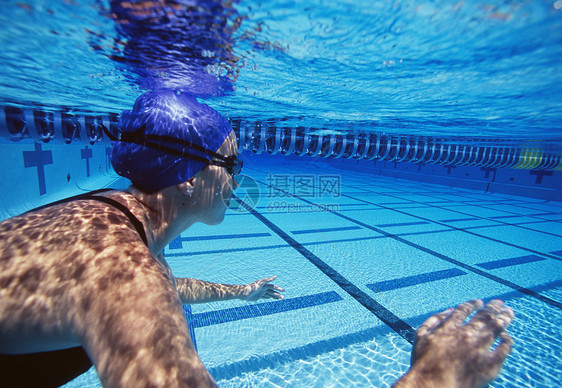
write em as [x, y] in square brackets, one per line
[267, 286]
[270, 294]
[275, 295]
[265, 290]
[264, 283]
[434, 321]
[501, 352]
[490, 321]
[273, 291]
[501, 321]
[495, 326]
[487, 314]
[462, 312]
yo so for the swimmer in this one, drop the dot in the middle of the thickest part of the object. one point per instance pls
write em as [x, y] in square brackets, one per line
[89, 273]
[448, 353]
[85, 280]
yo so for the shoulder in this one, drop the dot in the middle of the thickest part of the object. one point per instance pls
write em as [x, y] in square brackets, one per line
[76, 224]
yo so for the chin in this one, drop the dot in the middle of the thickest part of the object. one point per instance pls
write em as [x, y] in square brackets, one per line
[215, 220]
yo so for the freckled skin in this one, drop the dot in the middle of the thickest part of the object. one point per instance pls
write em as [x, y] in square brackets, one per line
[449, 353]
[79, 274]
[58, 299]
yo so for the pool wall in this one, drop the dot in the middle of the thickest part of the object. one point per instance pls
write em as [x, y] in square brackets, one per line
[542, 184]
[526, 183]
[36, 173]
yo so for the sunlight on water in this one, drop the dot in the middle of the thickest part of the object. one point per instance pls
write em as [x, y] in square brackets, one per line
[466, 68]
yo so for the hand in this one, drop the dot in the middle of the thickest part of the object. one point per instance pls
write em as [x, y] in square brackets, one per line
[262, 289]
[448, 353]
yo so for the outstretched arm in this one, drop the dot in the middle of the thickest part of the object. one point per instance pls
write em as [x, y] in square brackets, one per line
[198, 291]
[448, 353]
[134, 329]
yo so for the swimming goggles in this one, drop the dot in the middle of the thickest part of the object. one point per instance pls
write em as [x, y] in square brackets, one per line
[232, 163]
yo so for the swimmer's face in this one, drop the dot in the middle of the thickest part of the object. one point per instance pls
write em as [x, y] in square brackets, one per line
[217, 185]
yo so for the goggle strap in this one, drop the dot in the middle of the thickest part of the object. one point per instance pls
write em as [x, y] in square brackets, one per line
[171, 151]
[133, 137]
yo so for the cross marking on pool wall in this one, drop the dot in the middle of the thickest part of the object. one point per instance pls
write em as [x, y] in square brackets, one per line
[39, 159]
[488, 171]
[540, 174]
[86, 153]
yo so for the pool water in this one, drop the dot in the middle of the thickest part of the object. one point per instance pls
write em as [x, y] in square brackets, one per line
[396, 247]
[434, 68]
[365, 256]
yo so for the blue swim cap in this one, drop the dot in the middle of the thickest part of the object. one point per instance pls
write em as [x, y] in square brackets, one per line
[173, 114]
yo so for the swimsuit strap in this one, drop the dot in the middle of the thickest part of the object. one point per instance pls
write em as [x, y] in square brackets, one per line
[134, 220]
[138, 225]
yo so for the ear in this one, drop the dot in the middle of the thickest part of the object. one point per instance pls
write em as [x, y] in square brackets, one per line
[186, 187]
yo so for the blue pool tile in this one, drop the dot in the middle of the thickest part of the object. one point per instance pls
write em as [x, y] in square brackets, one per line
[402, 224]
[408, 281]
[325, 230]
[460, 219]
[273, 360]
[254, 363]
[502, 217]
[189, 317]
[557, 253]
[260, 309]
[398, 325]
[177, 242]
[509, 262]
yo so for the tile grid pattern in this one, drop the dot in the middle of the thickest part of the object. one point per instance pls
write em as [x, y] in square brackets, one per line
[406, 281]
[451, 260]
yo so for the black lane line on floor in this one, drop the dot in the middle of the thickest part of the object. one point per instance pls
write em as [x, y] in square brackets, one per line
[273, 360]
[456, 228]
[475, 217]
[432, 204]
[399, 326]
[465, 230]
[477, 271]
[324, 230]
[432, 195]
[466, 194]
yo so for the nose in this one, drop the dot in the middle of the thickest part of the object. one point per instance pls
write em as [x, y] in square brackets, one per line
[235, 183]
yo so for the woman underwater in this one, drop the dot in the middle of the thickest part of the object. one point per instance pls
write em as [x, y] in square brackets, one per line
[85, 279]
